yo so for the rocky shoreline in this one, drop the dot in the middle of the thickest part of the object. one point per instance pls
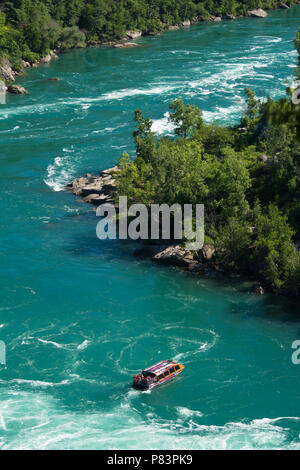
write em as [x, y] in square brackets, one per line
[101, 189]
[8, 74]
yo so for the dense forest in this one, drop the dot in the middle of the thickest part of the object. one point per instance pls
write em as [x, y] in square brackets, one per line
[247, 176]
[30, 28]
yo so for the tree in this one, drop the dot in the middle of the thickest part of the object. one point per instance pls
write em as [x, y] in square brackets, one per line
[186, 118]
[143, 137]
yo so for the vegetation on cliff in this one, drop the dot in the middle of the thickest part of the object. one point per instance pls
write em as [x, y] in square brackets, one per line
[30, 28]
[248, 177]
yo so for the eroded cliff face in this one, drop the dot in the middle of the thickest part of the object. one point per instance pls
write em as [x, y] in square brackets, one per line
[6, 72]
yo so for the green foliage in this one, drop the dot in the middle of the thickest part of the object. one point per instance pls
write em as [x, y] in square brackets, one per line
[233, 243]
[70, 38]
[273, 247]
[203, 163]
[249, 182]
[143, 137]
[35, 26]
[186, 118]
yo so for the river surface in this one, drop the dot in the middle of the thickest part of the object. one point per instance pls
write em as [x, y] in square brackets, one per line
[80, 316]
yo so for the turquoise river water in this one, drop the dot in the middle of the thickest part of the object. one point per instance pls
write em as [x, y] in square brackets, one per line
[80, 316]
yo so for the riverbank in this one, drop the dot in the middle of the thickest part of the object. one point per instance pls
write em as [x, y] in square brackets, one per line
[8, 74]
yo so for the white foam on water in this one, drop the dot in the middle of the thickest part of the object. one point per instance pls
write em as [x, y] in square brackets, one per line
[60, 172]
[163, 126]
[52, 343]
[39, 383]
[269, 39]
[86, 102]
[224, 114]
[128, 93]
[36, 420]
[83, 345]
[187, 413]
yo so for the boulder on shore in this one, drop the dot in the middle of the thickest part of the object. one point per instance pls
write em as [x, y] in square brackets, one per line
[186, 23]
[17, 90]
[46, 59]
[258, 289]
[175, 256]
[259, 13]
[26, 65]
[208, 252]
[133, 34]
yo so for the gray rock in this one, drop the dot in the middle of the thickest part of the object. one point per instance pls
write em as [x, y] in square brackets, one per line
[208, 252]
[133, 34]
[258, 289]
[17, 90]
[259, 13]
[46, 59]
[175, 256]
[6, 72]
[95, 189]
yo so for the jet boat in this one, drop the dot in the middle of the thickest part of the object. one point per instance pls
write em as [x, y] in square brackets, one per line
[156, 375]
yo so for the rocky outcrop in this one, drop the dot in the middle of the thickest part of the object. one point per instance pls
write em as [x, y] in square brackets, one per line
[6, 72]
[216, 18]
[258, 289]
[17, 90]
[186, 23]
[26, 65]
[208, 252]
[174, 27]
[46, 59]
[133, 34]
[259, 13]
[175, 256]
[228, 17]
[95, 189]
